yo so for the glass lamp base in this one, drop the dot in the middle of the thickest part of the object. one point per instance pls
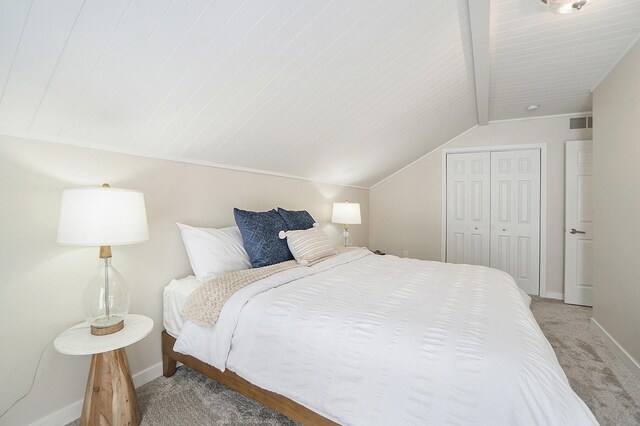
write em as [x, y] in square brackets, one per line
[107, 325]
[345, 237]
[106, 300]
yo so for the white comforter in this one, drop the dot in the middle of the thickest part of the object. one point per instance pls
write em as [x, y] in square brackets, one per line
[380, 340]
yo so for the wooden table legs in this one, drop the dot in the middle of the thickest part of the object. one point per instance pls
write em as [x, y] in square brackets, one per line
[110, 398]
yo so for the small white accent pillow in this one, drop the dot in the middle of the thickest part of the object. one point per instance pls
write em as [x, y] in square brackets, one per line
[308, 245]
[213, 252]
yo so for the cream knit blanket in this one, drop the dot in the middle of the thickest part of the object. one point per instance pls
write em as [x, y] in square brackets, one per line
[204, 305]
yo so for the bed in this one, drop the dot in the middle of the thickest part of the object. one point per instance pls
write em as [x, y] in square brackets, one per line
[361, 339]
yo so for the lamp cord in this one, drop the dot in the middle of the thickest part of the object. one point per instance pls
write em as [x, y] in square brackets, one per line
[33, 381]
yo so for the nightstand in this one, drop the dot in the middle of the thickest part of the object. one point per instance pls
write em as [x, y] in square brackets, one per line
[110, 397]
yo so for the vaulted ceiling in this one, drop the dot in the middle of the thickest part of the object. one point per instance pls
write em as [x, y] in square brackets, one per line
[555, 60]
[344, 91]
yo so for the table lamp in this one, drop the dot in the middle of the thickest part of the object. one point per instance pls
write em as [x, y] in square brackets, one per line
[347, 214]
[102, 217]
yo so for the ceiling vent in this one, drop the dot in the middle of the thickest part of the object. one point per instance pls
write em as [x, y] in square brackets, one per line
[581, 123]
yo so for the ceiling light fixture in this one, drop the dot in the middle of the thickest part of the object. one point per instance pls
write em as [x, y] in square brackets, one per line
[566, 6]
[532, 107]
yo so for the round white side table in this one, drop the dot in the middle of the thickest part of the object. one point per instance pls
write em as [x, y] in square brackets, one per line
[110, 397]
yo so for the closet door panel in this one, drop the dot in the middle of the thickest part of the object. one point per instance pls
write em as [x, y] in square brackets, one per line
[515, 223]
[524, 258]
[468, 208]
[480, 226]
[501, 253]
[456, 208]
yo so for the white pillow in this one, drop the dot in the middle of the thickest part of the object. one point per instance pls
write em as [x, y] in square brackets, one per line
[308, 245]
[213, 252]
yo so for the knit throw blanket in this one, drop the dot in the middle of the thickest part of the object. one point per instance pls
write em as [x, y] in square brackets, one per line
[204, 305]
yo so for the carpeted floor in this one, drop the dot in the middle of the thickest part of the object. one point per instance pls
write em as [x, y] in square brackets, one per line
[608, 387]
[597, 375]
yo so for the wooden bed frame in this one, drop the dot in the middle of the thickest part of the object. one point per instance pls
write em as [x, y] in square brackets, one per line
[228, 378]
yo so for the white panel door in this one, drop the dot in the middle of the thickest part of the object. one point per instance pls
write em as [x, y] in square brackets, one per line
[515, 216]
[468, 204]
[578, 240]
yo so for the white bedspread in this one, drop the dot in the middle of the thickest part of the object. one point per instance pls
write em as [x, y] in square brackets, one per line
[380, 340]
[174, 297]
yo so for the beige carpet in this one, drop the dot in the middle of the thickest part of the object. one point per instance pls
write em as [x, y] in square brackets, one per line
[597, 375]
[608, 387]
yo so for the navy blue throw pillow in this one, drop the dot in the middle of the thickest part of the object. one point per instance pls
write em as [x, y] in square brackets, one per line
[296, 220]
[260, 236]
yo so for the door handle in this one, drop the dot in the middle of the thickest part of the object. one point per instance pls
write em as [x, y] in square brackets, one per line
[574, 231]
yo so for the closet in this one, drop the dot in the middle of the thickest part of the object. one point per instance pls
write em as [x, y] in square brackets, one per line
[493, 203]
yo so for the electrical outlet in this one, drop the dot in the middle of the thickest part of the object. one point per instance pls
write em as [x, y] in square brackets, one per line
[405, 253]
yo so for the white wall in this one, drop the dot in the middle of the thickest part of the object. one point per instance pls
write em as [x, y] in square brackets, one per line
[616, 302]
[406, 209]
[41, 283]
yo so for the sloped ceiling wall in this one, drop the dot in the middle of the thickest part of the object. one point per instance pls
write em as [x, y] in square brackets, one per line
[344, 91]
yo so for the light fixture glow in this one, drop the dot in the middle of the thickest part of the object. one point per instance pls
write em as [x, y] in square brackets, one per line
[566, 6]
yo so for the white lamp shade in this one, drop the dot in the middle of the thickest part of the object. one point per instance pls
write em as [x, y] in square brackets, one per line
[346, 213]
[102, 217]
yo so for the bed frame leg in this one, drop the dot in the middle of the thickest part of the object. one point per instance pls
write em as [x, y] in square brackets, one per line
[168, 366]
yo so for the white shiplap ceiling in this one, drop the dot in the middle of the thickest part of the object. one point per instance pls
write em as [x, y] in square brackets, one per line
[554, 60]
[344, 91]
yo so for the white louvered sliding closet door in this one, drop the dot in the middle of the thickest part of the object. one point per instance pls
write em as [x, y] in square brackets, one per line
[468, 204]
[515, 216]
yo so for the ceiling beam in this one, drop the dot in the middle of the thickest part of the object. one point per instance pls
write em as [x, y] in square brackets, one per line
[479, 18]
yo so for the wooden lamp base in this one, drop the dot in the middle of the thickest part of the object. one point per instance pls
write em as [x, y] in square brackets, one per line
[110, 398]
[103, 331]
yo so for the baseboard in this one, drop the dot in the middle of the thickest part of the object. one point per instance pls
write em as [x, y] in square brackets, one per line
[147, 375]
[615, 347]
[61, 417]
[72, 411]
[553, 295]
